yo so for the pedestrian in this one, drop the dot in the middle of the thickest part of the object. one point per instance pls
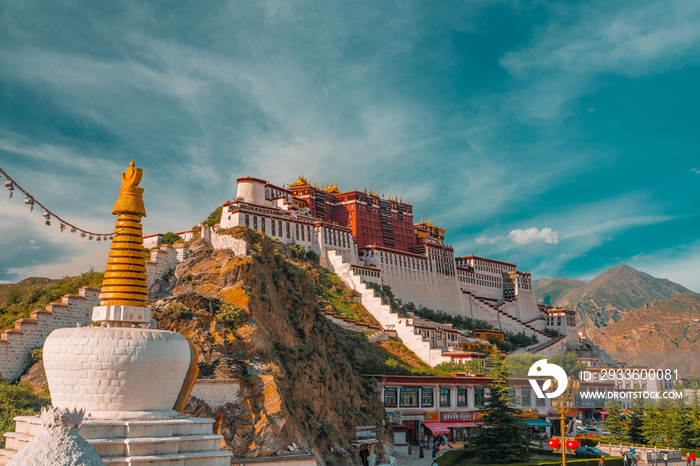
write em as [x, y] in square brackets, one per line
[421, 447]
[624, 459]
[666, 458]
[653, 458]
[434, 463]
[687, 459]
[437, 445]
[634, 459]
[602, 460]
[693, 457]
[434, 450]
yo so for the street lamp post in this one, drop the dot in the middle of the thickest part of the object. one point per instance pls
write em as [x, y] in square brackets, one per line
[562, 405]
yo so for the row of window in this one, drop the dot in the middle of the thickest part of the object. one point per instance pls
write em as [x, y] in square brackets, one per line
[424, 397]
[278, 227]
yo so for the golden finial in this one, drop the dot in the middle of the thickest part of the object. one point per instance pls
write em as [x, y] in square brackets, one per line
[131, 196]
[132, 177]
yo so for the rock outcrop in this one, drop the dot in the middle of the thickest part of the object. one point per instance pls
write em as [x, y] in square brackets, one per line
[258, 319]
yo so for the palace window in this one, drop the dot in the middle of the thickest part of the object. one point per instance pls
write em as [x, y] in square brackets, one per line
[408, 398]
[444, 396]
[247, 220]
[426, 398]
[539, 402]
[479, 396]
[390, 397]
[462, 396]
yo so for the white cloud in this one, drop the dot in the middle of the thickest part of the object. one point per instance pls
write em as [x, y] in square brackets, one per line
[694, 170]
[533, 234]
[484, 240]
[523, 237]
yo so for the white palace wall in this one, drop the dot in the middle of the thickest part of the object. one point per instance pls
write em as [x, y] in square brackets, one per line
[17, 343]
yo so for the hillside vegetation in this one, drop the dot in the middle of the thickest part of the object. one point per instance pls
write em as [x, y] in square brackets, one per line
[18, 300]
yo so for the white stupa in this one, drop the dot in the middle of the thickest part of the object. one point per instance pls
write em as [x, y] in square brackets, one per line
[129, 381]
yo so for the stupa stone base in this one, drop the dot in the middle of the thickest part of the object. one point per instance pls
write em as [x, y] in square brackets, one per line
[181, 441]
[123, 314]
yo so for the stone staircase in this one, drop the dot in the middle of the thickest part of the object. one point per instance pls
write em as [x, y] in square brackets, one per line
[183, 441]
[389, 319]
[498, 308]
[544, 347]
[350, 324]
[16, 343]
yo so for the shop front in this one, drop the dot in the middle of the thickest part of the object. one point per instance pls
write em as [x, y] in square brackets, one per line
[455, 426]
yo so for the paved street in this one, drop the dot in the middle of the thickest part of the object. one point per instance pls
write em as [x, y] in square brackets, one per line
[414, 460]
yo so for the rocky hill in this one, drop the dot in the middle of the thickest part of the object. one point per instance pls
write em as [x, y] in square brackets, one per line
[549, 290]
[607, 297]
[661, 334]
[258, 319]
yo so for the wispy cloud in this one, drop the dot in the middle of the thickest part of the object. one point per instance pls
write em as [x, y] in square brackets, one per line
[587, 40]
[523, 237]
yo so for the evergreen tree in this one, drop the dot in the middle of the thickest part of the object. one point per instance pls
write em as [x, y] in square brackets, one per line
[683, 430]
[634, 421]
[653, 425]
[503, 437]
[612, 422]
[665, 408]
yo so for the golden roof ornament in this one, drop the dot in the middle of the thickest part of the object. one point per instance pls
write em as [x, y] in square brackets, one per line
[124, 281]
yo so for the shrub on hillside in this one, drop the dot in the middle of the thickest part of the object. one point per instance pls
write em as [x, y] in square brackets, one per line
[17, 399]
[229, 315]
[170, 238]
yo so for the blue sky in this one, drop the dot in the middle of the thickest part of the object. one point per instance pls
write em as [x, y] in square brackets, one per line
[560, 136]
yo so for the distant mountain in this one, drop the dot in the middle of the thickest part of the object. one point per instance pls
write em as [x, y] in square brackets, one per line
[549, 290]
[607, 297]
[659, 334]
[6, 288]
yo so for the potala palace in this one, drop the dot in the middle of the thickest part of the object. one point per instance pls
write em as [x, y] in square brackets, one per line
[364, 237]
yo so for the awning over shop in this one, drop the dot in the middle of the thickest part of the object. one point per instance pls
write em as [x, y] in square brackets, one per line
[602, 411]
[461, 424]
[437, 427]
[537, 423]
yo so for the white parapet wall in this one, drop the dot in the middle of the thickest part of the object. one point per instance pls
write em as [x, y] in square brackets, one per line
[217, 392]
[217, 241]
[17, 343]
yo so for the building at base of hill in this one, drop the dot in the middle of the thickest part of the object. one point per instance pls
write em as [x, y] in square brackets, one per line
[378, 238]
[424, 407]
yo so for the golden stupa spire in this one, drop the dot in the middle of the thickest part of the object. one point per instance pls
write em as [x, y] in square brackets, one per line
[124, 282]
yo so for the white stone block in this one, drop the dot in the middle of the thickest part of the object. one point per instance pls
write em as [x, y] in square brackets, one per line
[132, 314]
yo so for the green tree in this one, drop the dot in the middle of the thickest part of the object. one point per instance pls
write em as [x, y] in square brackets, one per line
[634, 420]
[612, 421]
[170, 238]
[653, 425]
[568, 362]
[504, 437]
[683, 430]
[519, 364]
